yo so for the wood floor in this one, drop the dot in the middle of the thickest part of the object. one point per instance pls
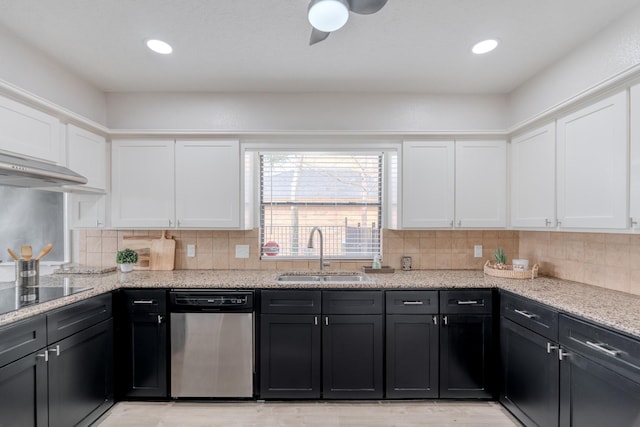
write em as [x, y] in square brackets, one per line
[307, 414]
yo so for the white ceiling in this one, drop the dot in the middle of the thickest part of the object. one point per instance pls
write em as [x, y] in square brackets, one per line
[262, 45]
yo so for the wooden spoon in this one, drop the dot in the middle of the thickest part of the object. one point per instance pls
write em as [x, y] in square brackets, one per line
[26, 252]
[13, 255]
[44, 251]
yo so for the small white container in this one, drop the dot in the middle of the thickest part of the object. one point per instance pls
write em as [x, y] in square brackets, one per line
[520, 264]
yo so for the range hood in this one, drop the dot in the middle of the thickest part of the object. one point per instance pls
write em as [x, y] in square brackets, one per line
[20, 172]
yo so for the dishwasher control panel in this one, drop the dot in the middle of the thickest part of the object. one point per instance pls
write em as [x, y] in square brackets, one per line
[207, 300]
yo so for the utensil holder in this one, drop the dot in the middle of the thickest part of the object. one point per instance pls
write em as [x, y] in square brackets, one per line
[27, 272]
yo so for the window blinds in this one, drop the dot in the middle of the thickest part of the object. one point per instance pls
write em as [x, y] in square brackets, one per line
[339, 192]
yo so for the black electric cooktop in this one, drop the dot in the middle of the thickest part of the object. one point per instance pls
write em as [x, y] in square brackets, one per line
[18, 297]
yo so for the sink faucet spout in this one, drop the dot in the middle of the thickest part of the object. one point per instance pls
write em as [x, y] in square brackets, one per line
[310, 245]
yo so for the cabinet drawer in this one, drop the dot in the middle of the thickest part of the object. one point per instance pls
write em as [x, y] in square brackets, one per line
[21, 338]
[532, 315]
[68, 320]
[412, 302]
[466, 301]
[352, 302]
[291, 302]
[613, 350]
[145, 301]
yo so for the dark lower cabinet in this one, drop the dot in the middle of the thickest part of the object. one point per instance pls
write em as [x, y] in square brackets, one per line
[290, 354]
[530, 375]
[594, 396]
[352, 356]
[81, 376]
[467, 356]
[412, 356]
[142, 367]
[23, 392]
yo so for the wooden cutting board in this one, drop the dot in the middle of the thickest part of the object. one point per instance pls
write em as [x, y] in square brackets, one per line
[162, 253]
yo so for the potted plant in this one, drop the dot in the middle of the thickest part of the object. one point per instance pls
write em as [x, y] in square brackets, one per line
[126, 258]
[501, 259]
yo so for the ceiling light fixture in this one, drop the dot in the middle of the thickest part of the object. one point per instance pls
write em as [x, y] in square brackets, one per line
[484, 46]
[328, 15]
[159, 46]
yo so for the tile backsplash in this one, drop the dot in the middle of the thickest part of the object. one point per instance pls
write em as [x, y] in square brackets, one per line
[607, 260]
[216, 249]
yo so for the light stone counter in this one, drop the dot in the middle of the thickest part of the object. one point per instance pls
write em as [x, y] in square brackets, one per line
[617, 310]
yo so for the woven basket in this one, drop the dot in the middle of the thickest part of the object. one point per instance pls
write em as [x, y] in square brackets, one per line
[509, 273]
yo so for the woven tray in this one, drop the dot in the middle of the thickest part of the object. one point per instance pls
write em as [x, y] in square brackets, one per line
[509, 273]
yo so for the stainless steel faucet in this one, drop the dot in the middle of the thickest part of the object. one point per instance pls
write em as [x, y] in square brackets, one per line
[310, 245]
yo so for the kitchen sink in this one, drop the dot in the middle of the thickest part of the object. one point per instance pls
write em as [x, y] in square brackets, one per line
[321, 277]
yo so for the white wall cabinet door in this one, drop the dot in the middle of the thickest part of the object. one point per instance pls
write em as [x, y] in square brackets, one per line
[142, 183]
[592, 166]
[87, 210]
[207, 184]
[29, 132]
[428, 173]
[481, 184]
[87, 155]
[533, 178]
[634, 127]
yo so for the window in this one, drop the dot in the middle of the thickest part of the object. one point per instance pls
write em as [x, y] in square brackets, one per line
[339, 192]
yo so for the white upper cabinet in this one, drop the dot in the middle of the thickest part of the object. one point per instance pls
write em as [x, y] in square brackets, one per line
[208, 183]
[87, 155]
[593, 166]
[142, 183]
[29, 132]
[428, 174]
[634, 190]
[481, 184]
[87, 210]
[533, 178]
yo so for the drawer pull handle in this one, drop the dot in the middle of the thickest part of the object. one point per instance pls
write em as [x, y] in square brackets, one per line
[562, 354]
[525, 314]
[44, 355]
[601, 347]
[55, 350]
[468, 302]
[551, 347]
[143, 301]
[412, 302]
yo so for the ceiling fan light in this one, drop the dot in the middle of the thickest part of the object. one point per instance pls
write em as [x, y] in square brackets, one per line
[328, 15]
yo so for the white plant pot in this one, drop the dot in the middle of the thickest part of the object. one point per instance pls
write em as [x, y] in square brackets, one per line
[125, 268]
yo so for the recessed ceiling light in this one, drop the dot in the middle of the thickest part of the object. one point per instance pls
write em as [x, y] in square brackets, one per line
[484, 46]
[159, 46]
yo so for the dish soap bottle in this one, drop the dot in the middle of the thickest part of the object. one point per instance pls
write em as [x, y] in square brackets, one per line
[376, 263]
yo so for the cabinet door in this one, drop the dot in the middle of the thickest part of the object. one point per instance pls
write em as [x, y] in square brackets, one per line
[593, 396]
[593, 166]
[142, 177]
[87, 155]
[427, 184]
[412, 356]
[481, 184]
[533, 178]
[23, 387]
[81, 376]
[29, 132]
[87, 210]
[290, 353]
[208, 184]
[352, 355]
[530, 375]
[466, 356]
[634, 127]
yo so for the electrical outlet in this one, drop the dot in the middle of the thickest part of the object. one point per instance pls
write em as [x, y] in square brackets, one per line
[242, 251]
[191, 251]
[477, 251]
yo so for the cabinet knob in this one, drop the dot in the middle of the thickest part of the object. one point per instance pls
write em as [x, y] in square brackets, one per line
[562, 354]
[160, 319]
[435, 320]
[551, 347]
[451, 223]
[445, 320]
[326, 320]
[44, 355]
[459, 223]
[55, 350]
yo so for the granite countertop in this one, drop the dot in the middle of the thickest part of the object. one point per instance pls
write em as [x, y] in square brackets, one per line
[617, 310]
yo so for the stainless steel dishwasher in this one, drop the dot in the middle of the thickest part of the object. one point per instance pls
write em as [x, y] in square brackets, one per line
[212, 343]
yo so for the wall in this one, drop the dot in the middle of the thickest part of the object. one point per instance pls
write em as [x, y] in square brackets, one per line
[273, 112]
[30, 70]
[611, 53]
[608, 260]
[436, 250]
